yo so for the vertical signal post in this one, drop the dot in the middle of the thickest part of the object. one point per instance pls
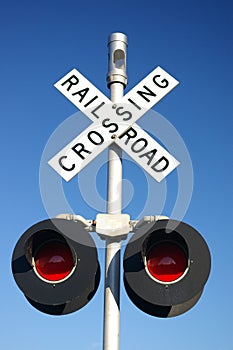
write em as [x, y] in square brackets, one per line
[117, 81]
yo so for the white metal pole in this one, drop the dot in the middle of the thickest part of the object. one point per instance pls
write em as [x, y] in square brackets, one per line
[117, 81]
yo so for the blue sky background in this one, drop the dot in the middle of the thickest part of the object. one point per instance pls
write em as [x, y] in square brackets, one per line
[41, 42]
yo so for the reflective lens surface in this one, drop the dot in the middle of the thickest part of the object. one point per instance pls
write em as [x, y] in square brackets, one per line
[166, 261]
[54, 261]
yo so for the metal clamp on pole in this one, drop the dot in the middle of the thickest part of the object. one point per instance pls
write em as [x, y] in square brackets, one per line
[113, 225]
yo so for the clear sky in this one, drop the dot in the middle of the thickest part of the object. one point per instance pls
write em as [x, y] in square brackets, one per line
[192, 40]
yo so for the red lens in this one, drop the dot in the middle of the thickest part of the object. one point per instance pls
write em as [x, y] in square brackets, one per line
[166, 261]
[54, 261]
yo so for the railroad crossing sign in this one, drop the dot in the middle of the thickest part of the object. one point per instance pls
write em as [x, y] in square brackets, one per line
[163, 259]
[115, 122]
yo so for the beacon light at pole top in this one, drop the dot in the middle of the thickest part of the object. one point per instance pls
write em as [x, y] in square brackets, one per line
[117, 47]
[57, 274]
[166, 267]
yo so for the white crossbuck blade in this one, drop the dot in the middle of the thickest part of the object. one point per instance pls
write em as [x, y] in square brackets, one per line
[115, 122]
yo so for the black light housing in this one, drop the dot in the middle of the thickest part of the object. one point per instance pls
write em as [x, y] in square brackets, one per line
[179, 269]
[48, 291]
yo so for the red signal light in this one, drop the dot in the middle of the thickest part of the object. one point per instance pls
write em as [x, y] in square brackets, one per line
[56, 253]
[166, 267]
[54, 261]
[166, 261]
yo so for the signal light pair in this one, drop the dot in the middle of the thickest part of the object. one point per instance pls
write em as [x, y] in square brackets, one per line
[166, 265]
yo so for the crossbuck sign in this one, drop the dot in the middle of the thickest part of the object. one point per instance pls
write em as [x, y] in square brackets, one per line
[115, 122]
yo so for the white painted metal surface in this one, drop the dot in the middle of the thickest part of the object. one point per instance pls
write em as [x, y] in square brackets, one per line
[111, 119]
[81, 92]
[147, 152]
[111, 336]
[112, 225]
